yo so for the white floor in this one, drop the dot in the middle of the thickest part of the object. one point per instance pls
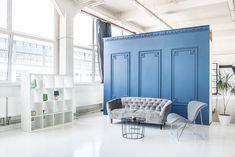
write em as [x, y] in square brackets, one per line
[94, 136]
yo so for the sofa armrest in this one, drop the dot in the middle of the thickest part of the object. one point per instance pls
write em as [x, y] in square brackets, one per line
[166, 109]
[113, 104]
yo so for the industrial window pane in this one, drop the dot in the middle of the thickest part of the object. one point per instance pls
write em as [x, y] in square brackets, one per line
[127, 33]
[82, 65]
[116, 31]
[35, 17]
[3, 56]
[97, 71]
[31, 56]
[3, 13]
[83, 30]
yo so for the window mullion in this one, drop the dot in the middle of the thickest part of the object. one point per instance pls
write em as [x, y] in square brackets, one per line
[93, 50]
[10, 39]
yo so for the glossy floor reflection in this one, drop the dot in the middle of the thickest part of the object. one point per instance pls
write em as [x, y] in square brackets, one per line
[94, 136]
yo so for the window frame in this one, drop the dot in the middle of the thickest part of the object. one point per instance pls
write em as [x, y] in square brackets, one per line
[93, 49]
[11, 34]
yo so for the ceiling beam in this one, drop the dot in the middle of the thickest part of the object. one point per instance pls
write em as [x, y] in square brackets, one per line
[224, 52]
[142, 7]
[171, 8]
[227, 33]
[212, 21]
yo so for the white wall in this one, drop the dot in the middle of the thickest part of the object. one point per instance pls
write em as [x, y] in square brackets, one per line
[88, 94]
[84, 95]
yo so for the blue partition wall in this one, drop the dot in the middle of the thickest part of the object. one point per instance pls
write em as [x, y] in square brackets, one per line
[172, 64]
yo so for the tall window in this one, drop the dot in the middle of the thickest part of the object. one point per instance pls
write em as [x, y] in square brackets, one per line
[86, 63]
[3, 13]
[85, 51]
[116, 31]
[32, 49]
[35, 17]
[83, 31]
[3, 56]
[31, 56]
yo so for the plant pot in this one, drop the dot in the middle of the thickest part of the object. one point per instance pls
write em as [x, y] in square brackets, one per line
[224, 119]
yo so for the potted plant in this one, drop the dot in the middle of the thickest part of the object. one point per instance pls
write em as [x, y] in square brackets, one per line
[226, 89]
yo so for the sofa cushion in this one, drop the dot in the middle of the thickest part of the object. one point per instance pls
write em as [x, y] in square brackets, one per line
[141, 113]
[143, 103]
[153, 115]
[150, 115]
[122, 113]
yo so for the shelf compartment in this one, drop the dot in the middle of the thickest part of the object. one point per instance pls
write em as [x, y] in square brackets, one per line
[58, 119]
[58, 106]
[68, 82]
[68, 94]
[36, 123]
[37, 108]
[37, 96]
[68, 105]
[48, 121]
[48, 81]
[48, 107]
[68, 117]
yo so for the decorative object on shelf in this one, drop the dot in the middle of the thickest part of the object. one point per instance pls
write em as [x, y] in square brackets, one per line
[226, 88]
[45, 97]
[33, 83]
[33, 113]
[56, 95]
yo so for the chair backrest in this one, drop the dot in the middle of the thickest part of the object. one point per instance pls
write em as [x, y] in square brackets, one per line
[194, 108]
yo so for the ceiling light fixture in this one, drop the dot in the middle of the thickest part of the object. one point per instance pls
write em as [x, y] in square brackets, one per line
[140, 6]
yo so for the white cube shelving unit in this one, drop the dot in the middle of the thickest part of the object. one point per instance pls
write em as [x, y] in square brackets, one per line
[40, 107]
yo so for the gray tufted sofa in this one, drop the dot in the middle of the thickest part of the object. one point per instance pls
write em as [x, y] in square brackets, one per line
[155, 110]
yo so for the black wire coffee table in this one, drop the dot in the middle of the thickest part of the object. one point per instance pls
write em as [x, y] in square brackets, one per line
[133, 127]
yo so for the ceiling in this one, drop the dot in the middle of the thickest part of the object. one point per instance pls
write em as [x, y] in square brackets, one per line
[178, 14]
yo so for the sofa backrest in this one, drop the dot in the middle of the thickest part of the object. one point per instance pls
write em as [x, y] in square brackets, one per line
[144, 103]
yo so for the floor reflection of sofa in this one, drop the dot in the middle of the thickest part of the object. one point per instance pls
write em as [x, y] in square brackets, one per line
[154, 110]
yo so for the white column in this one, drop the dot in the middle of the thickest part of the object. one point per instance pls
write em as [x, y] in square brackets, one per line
[66, 45]
[67, 9]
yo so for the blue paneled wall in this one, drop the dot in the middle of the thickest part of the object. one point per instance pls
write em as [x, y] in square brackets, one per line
[172, 64]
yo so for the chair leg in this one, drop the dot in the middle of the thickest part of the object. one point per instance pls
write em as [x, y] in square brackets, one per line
[111, 120]
[172, 129]
[161, 127]
[201, 117]
[179, 135]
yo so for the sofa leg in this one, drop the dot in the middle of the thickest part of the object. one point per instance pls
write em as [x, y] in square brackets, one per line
[111, 120]
[161, 127]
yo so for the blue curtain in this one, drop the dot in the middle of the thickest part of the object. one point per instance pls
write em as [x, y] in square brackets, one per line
[103, 30]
